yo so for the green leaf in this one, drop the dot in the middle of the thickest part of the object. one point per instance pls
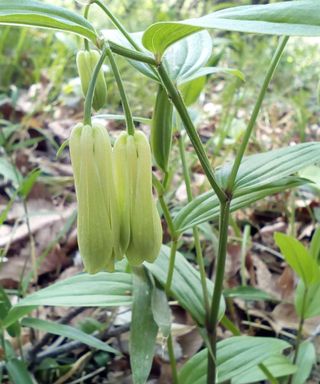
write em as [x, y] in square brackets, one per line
[69, 332]
[143, 328]
[235, 356]
[278, 366]
[182, 59]
[210, 71]
[247, 293]
[315, 246]
[191, 90]
[298, 258]
[39, 14]
[265, 168]
[309, 306]
[188, 56]
[5, 305]
[117, 37]
[259, 175]
[186, 284]
[161, 311]
[28, 182]
[292, 18]
[206, 206]
[306, 359]
[100, 290]
[192, 86]
[18, 372]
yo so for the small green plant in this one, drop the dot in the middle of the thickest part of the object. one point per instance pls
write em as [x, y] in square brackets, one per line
[117, 213]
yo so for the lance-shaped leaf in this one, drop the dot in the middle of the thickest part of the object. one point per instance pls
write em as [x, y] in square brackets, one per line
[258, 176]
[292, 18]
[307, 300]
[69, 332]
[235, 357]
[206, 206]
[143, 329]
[298, 257]
[186, 284]
[39, 14]
[307, 357]
[100, 290]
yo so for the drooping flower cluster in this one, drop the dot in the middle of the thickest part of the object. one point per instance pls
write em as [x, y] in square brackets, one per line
[117, 214]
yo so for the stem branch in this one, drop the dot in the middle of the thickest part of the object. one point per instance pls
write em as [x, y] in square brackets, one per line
[124, 99]
[91, 88]
[218, 286]
[199, 255]
[191, 131]
[272, 67]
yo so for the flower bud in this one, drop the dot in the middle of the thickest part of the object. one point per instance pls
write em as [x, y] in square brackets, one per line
[98, 217]
[143, 236]
[86, 62]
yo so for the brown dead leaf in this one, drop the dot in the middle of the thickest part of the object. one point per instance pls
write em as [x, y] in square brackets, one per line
[233, 261]
[286, 284]
[265, 280]
[38, 220]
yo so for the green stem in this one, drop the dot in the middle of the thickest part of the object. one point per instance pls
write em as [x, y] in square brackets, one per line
[192, 132]
[218, 286]
[92, 85]
[172, 360]
[268, 374]
[199, 255]
[130, 54]
[172, 259]
[166, 213]
[124, 99]
[245, 239]
[167, 290]
[116, 22]
[272, 67]
[300, 330]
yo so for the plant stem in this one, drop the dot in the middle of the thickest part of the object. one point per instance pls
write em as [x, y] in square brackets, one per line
[124, 99]
[116, 22]
[92, 85]
[218, 286]
[191, 131]
[272, 67]
[199, 255]
[268, 374]
[172, 360]
[130, 54]
[300, 329]
[171, 266]
[167, 290]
